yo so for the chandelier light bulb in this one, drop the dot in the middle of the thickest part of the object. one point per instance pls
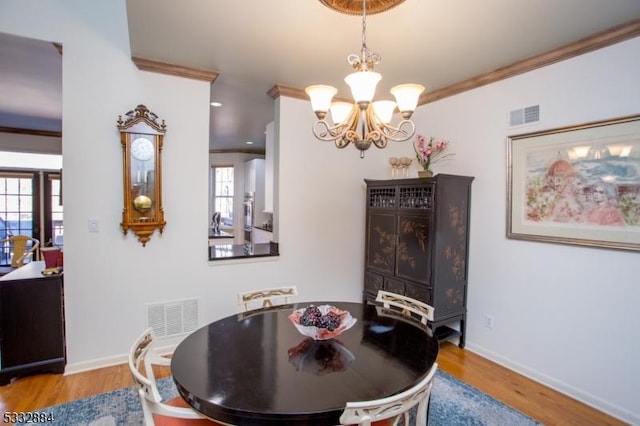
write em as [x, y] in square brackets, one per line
[340, 111]
[384, 111]
[407, 96]
[363, 86]
[321, 96]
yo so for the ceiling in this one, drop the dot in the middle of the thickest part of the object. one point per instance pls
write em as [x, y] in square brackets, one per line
[256, 44]
[30, 84]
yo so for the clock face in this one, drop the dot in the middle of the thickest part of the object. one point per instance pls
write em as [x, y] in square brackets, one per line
[142, 149]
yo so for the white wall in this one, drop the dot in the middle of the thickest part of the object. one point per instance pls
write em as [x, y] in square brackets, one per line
[564, 315]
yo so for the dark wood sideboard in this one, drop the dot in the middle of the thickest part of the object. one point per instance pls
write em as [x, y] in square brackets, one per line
[32, 329]
[417, 244]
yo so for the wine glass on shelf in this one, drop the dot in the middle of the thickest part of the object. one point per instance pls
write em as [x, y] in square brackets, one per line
[405, 162]
[394, 166]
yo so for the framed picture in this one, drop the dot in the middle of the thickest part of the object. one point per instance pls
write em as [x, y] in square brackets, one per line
[576, 185]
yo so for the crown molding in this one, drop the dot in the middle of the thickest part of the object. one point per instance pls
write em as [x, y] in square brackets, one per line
[597, 41]
[32, 132]
[177, 70]
[290, 92]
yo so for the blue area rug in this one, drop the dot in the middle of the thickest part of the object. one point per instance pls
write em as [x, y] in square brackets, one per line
[452, 403]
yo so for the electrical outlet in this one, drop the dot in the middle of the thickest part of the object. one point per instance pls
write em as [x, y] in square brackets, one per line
[488, 321]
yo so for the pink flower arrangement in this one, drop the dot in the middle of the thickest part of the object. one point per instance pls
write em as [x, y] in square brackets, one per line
[428, 153]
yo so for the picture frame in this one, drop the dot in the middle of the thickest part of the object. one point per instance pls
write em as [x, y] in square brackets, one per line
[576, 185]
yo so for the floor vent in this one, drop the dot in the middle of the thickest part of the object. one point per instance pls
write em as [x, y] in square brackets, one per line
[526, 115]
[173, 317]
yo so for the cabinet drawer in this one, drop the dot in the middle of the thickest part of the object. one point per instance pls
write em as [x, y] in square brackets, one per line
[394, 285]
[373, 283]
[419, 292]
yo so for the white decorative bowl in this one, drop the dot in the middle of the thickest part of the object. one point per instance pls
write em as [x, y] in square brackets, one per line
[317, 333]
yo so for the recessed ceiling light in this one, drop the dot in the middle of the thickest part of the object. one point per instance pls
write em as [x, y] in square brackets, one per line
[216, 104]
[249, 142]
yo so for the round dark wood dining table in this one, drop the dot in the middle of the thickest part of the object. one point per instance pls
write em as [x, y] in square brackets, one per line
[255, 368]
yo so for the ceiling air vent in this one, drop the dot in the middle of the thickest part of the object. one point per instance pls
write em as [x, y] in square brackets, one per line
[526, 115]
[173, 317]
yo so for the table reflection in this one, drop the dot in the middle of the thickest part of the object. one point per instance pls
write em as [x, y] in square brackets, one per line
[320, 357]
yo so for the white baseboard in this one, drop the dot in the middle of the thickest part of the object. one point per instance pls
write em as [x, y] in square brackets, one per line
[562, 387]
[79, 367]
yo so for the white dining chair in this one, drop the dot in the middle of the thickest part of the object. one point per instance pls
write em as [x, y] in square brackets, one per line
[407, 305]
[267, 297]
[390, 410]
[156, 412]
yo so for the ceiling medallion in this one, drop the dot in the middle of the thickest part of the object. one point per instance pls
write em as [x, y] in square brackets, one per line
[354, 7]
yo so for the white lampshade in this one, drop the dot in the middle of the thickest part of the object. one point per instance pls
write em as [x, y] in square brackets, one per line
[340, 112]
[321, 96]
[363, 85]
[407, 96]
[384, 111]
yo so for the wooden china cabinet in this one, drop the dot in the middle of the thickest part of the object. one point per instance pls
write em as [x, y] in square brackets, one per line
[417, 244]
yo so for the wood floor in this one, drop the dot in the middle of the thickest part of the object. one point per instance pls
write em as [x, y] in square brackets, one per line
[539, 402]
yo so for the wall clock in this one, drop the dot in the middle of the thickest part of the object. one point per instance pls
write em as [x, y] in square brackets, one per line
[141, 137]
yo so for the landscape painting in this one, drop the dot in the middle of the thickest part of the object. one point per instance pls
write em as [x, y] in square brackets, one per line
[576, 185]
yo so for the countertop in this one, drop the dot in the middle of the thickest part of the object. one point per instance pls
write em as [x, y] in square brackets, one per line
[263, 228]
[241, 251]
[28, 271]
[219, 234]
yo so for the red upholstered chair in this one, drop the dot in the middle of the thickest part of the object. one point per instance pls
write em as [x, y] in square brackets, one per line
[390, 410]
[156, 412]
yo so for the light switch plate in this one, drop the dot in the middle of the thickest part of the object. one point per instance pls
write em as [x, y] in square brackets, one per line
[93, 225]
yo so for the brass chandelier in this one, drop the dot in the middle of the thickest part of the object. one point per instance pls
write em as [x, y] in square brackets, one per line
[363, 122]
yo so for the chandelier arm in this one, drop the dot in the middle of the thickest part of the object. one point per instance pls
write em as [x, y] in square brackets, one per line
[404, 131]
[375, 132]
[323, 131]
[350, 136]
[342, 133]
[380, 141]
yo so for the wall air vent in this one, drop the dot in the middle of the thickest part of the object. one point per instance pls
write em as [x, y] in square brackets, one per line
[526, 115]
[173, 317]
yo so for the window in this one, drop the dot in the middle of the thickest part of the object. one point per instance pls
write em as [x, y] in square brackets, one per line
[53, 211]
[22, 209]
[16, 209]
[223, 193]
